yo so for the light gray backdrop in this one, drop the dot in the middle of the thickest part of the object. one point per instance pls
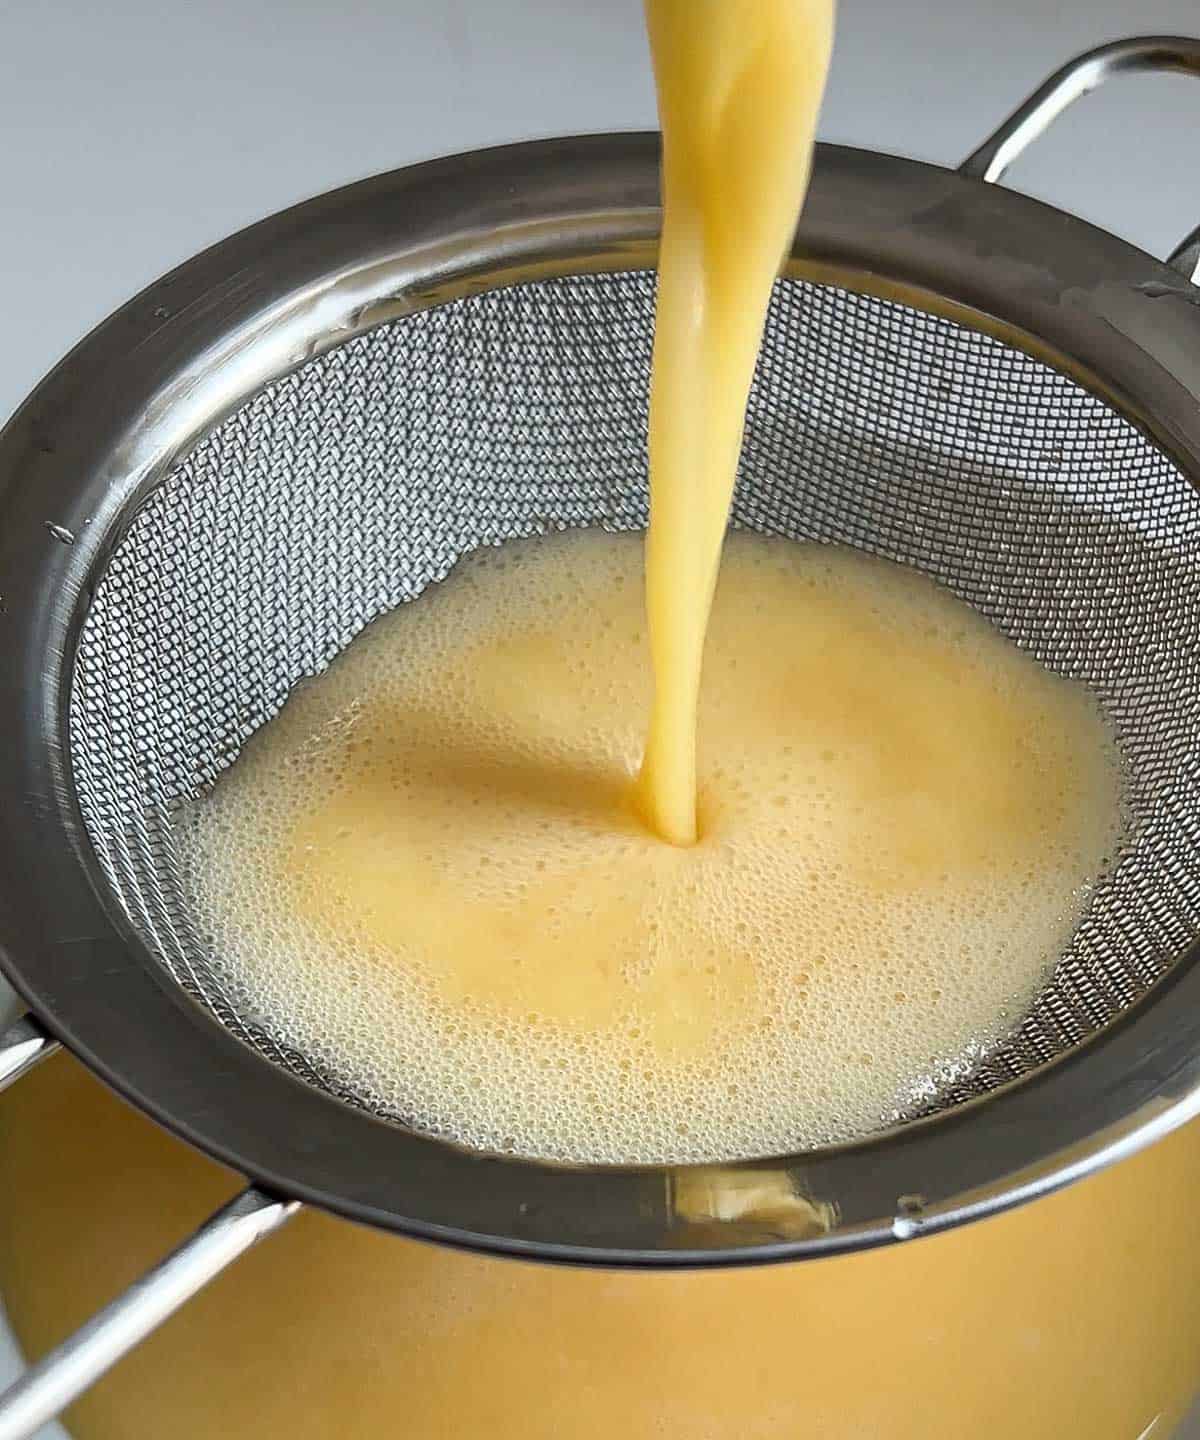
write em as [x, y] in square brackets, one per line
[134, 132]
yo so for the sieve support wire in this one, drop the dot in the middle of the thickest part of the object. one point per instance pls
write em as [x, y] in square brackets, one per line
[61, 1376]
[1179, 54]
[22, 1046]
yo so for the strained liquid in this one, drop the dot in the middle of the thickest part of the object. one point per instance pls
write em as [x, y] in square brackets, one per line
[1074, 1316]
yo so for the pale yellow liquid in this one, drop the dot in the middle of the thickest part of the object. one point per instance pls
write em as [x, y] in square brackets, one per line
[1074, 1318]
[427, 872]
[739, 88]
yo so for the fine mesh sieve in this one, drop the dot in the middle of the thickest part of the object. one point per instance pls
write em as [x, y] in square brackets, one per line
[350, 485]
[313, 421]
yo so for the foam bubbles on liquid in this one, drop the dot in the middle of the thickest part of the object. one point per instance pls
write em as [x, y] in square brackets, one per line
[426, 874]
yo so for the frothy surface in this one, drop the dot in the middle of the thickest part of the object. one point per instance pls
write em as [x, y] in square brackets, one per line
[426, 873]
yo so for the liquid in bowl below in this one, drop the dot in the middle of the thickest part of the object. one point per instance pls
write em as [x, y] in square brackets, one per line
[1076, 1315]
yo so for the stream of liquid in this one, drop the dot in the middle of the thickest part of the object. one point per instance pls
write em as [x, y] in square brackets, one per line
[739, 91]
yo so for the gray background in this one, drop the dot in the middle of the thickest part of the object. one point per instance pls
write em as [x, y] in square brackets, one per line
[133, 133]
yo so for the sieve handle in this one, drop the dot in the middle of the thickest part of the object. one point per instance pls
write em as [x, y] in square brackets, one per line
[22, 1046]
[1079, 77]
[70, 1368]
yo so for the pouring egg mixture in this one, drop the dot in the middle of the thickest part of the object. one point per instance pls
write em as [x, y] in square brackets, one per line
[588, 855]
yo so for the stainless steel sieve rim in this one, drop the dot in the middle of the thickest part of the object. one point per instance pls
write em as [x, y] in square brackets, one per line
[139, 393]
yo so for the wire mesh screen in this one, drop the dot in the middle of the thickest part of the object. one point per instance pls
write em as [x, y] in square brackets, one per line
[347, 487]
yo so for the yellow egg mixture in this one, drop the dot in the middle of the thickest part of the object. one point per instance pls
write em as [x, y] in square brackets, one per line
[429, 874]
[739, 88]
[512, 871]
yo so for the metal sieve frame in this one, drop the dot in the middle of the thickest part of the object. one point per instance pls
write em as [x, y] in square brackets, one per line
[135, 397]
